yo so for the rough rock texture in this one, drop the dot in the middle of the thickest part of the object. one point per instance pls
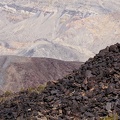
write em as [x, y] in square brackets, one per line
[90, 92]
[18, 73]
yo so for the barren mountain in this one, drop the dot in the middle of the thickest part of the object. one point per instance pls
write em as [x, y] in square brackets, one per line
[18, 73]
[64, 29]
[90, 93]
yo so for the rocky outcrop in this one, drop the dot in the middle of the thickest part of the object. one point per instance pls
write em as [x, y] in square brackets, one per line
[18, 73]
[90, 92]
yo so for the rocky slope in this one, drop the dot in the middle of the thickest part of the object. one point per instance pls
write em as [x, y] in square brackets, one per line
[90, 92]
[61, 29]
[18, 73]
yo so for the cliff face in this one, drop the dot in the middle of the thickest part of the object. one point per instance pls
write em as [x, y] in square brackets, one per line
[18, 73]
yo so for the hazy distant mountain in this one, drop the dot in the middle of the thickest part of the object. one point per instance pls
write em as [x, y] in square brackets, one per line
[64, 29]
[18, 73]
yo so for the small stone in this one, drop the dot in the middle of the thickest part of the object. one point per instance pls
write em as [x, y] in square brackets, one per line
[29, 109]
[60, 111]
[108, 106]
[89, 114]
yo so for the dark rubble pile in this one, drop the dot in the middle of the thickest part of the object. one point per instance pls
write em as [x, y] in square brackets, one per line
[91, 92]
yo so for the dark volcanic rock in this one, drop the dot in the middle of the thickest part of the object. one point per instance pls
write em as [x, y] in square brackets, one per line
[91, 92]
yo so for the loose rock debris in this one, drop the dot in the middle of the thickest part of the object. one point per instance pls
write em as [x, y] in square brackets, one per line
[89, 93]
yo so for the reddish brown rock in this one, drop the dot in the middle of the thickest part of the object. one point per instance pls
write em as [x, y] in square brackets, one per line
[18, 73]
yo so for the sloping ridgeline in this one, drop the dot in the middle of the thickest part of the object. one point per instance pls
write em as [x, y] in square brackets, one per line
[93, 91]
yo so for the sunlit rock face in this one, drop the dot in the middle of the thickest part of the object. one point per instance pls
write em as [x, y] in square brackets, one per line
[62, 29]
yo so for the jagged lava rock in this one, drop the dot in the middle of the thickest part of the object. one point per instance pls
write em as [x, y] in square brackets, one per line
[91, 92]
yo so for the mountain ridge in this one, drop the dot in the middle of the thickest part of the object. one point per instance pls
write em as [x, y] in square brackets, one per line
[90, 92]
[18, 73]
[77, 28]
